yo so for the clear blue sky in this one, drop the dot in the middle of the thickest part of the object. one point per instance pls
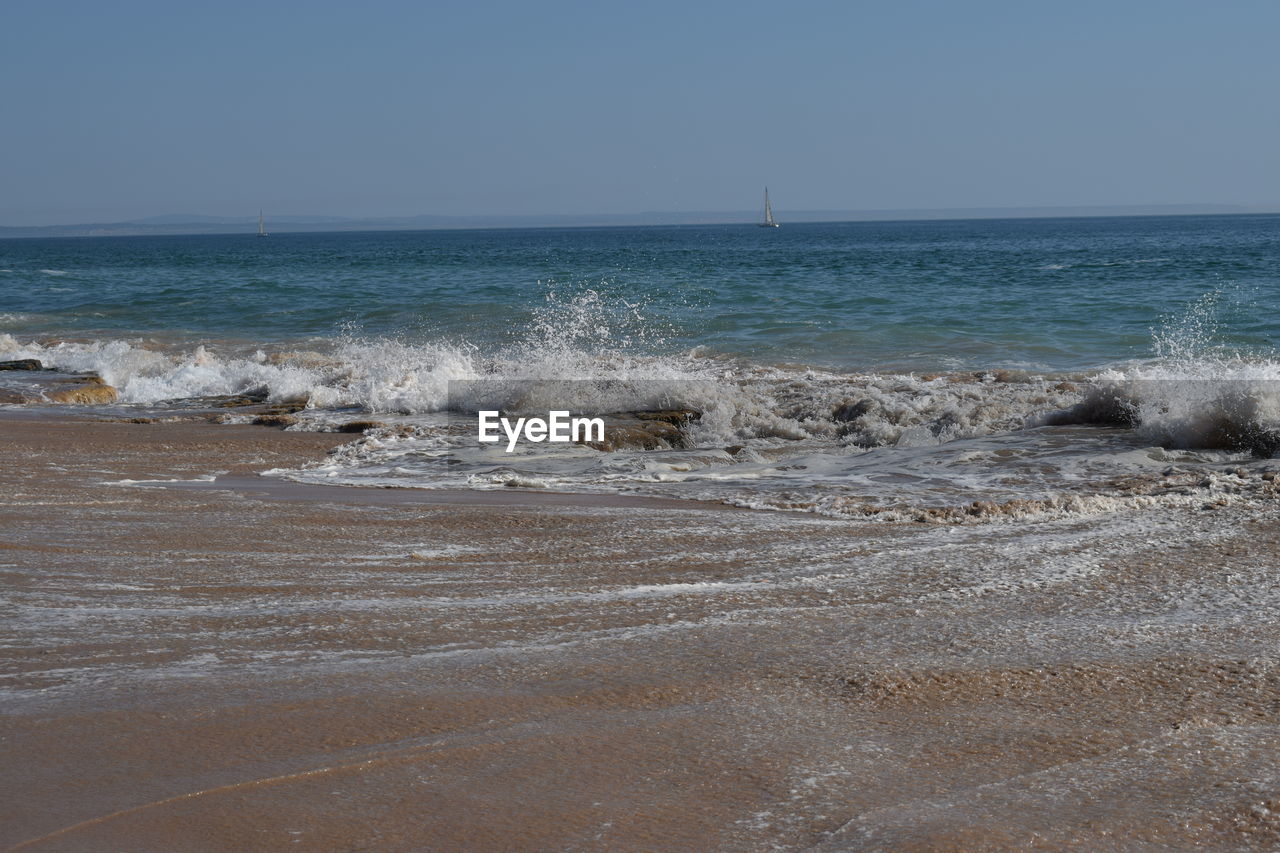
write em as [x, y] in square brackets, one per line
[114, 110]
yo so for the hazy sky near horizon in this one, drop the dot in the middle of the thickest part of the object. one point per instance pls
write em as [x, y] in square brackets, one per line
[129, 109]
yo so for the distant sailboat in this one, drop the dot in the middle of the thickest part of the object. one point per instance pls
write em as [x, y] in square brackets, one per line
[769, 221]
[262, 228]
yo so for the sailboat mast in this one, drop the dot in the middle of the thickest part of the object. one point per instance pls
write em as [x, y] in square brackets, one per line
[768, 212]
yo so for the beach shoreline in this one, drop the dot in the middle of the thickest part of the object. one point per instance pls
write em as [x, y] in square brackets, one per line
[198, 667]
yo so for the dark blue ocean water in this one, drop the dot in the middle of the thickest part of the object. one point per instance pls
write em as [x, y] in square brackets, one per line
[1040, 294]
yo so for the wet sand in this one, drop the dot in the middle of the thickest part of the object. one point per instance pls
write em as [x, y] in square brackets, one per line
[240, 665]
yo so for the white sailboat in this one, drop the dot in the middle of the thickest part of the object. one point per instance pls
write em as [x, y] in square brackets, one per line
[769, 221]
[262, 228]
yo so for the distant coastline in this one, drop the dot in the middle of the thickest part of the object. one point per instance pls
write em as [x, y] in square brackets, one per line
[197, 224]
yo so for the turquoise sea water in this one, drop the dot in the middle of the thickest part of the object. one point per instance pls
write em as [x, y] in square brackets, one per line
[1038, 294]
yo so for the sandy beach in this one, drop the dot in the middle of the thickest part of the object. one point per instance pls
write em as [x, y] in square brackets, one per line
[211, 665]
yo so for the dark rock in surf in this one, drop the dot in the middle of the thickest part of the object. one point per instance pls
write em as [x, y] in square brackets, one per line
[288, 407]
[851, 410]
[275, 420]
[91, 394]
[245, 398]
[360, 426]
[252, 397]
[652, 430]
[21, 364]
[675, 417]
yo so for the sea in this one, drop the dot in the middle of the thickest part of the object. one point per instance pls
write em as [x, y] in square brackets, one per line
[922, 371]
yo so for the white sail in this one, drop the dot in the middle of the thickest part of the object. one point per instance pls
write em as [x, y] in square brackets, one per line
[262, 228]
[769, 221]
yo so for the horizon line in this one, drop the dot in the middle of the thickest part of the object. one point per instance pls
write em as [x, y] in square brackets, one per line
[184, 223]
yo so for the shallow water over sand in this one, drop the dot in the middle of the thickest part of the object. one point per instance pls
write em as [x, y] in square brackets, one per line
[353, 674]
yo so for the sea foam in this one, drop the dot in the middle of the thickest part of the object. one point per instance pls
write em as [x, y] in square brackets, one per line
[1197, 392]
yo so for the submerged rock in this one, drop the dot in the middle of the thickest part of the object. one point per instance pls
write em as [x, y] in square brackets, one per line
[277, 420]
[233, 401]
[302, 358]
[655, 430]
[275, 409]
[851, 410]
[91, 394]
[255, 401]
[360, 426]
[285, 407]
[252, 397]
[675, 417]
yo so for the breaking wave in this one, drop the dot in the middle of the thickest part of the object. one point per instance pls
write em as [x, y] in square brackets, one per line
[736, 401]
[1198, 392]
[597, 356]
[571, 339]
[948, 448]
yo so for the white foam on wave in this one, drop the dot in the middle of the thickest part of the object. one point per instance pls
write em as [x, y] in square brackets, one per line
[605, 346]
[1099, 263]
[572, 339]
[1197, 392]
[144, 375]
[849, 445]
[206, 478]
[948, 449]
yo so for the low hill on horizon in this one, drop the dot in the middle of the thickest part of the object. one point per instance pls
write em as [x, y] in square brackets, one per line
[203, 224]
